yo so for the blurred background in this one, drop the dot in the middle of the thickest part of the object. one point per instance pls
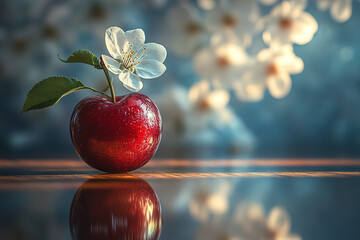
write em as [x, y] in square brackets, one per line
[244, 78]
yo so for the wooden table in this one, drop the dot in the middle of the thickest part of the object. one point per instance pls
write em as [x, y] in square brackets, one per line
[199, 199]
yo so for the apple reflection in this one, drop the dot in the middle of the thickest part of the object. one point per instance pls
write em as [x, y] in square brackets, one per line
[124, 207]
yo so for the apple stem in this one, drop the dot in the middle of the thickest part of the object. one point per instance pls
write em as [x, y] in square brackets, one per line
[108, 78]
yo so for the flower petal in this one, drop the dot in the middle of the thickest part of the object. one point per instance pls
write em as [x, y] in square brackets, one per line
[297, 7]
[111, 64]
[218, 99]
[114, 40]
[123, 75]
[279, 85]
[249, 92]
[304, 29]
[249, 213]
[341, 10]
[205, 63]
[323, 4]
[135, 37]
[199, 90]
[291, 64]
[150, 68]
[289, 237]
[278, 221]
[130, 81]
[155, 51]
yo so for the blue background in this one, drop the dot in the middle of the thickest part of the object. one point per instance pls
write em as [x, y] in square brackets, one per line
[319, 118]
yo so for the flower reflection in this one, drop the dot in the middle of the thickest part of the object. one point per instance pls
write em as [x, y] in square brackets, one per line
[254, 225]
[209, 201]
[249, 222]
[122, 208]
[223, 230]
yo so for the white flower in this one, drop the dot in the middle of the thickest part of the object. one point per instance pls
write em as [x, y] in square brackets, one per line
[235, 19]
[271, 69]
[184, 30]
[254, 224]
[200, 119]
[340, 10]
[207, 104]
[21, 46]
[288, 23]
[193, 116]
[131, 58]
[207, 4]
[189, 115]
[220, 64]
[204, 99]
[210, 119]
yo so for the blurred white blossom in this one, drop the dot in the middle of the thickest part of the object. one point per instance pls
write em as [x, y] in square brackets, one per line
[95, 16]
[288, 23]
[204, 99]
[184, 29]
[210, 117]
[221, 63]
[24, 48]
[207, 4]
[206, 103]
[200, 117]
[340, 10]
[234, 19]
[189, 112]
[271, 69]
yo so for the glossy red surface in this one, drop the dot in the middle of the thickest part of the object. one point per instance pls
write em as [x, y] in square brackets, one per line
[116, 137]
[115, 209]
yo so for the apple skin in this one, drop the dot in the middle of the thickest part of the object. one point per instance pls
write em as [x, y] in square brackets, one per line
[122, 208]
[116, 138]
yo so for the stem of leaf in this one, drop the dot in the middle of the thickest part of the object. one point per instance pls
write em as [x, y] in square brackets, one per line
[108, 78]
[94, 90]
[84, 87]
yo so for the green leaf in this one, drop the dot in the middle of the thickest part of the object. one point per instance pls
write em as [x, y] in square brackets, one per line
[83, 56]
[49, 91]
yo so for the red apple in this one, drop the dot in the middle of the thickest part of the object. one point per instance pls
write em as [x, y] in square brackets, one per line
[116, 137]
[124, 208]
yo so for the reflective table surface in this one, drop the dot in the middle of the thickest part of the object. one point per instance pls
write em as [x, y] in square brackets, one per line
[255, 199]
